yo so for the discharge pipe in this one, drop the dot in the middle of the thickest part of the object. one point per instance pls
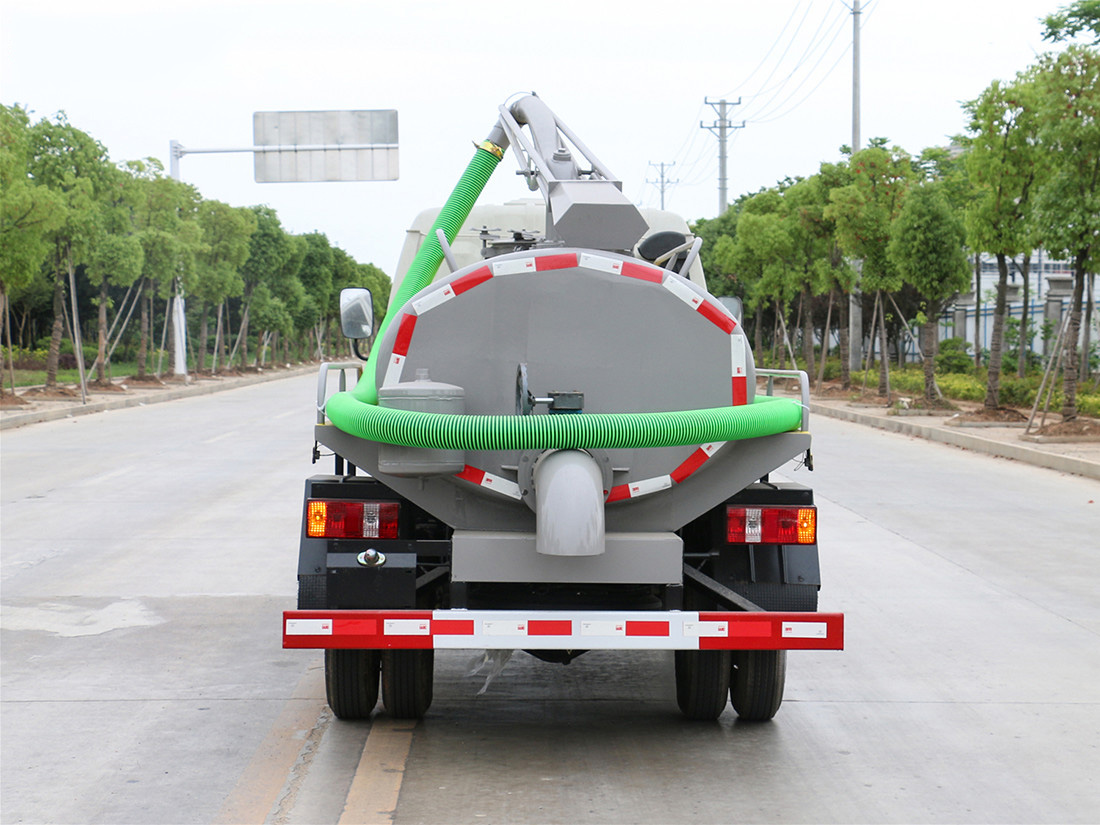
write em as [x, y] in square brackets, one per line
[569, 496]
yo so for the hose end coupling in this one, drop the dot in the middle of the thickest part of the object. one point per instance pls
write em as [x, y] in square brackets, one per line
[491, 148]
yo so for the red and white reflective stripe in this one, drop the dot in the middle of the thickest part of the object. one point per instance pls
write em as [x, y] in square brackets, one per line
[739, 369]
[695, 461]
[433, 299]
[715, 313]
[558, 629]
[602, 264]
[400, 352]
[631, 269]
[490, 481]
[514, 266]
[680, 288]
[634, 489]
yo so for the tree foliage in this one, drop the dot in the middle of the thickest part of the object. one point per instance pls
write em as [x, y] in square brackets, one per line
[138, 238]
[926, 248]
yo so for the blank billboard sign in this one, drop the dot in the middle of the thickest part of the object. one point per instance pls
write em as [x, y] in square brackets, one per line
[325, 146]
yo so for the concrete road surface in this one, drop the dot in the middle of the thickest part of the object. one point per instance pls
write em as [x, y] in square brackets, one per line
[147, 554]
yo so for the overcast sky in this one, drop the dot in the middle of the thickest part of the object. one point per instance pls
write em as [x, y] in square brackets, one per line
[629, 78]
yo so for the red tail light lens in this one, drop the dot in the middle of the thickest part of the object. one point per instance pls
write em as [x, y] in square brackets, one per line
[771, 525]
[352, 519]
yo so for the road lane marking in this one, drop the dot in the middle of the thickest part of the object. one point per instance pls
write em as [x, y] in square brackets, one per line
[263, 780]
[372, 798]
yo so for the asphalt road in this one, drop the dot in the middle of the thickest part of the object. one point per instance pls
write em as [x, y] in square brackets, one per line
[147, 554]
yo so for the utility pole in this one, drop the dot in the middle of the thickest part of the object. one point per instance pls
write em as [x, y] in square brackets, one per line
[721, 128]
[855, 76]
[855, 299]
[663, 183]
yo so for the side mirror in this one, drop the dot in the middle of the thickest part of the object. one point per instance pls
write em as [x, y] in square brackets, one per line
[356, 313]
[733, 304]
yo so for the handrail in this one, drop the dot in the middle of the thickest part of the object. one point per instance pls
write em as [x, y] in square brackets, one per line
[322, 382]
[804, 386]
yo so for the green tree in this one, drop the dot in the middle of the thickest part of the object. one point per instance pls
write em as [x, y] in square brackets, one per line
[28, 214]
[270, 248]
[760, 260]
[76, 167]
[316, 273]
[1080, 17]
[839, 278]
[712, 230]
[116, 259]
[164, 215]
[926, 247]
[1005, 163]
[226, 235]
[1067, 207]
[863, 211]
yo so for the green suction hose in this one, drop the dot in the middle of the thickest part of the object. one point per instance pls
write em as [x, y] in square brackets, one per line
[594, 431]
[357, 412]
[426, 263]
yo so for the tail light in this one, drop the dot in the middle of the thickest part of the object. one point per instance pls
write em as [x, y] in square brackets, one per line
[352, 519]
[771, 525]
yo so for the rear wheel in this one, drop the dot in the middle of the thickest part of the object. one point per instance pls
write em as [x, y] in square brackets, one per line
[702, 682]
[407, 682]
[756, 683]
[351, 682]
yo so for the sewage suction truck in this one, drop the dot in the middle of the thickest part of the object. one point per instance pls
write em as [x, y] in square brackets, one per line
[556, 445]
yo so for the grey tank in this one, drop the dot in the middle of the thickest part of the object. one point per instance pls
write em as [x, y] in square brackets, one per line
[579, 324]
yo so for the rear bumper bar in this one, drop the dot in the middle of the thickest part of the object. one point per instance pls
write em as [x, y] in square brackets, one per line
[561, 630]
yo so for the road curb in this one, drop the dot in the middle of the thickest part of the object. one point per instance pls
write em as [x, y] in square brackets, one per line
[11, 420]
[975, 443]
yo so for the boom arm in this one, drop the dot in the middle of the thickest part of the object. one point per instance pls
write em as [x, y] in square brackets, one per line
[585, 207]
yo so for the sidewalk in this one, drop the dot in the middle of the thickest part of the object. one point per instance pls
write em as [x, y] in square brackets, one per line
[1079, 458]
[138, 395]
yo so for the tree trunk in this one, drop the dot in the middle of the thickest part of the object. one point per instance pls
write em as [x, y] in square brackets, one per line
[845, 341]
[1069, 348]
[143, 341]
[204, 330]
[5, 326]
[758, 331]
[825, 343]
[781, 335]
[977, 310]
[996, 341]
[808, 331]
[1086, 341]
[1024, 353]
[58, 330]
[929, 334]
[217, 354]
[241, 342]
[884, 352]
[164, 335]
[101, 343]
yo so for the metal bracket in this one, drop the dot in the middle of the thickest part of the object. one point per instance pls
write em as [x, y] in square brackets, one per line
[723, 594]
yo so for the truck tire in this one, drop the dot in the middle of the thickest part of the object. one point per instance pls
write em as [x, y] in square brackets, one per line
[702, 682]
[407, 682]
[351, 682]
[756, 683]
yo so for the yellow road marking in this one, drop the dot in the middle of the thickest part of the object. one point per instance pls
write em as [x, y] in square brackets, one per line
[372, 799]
[263, 780]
